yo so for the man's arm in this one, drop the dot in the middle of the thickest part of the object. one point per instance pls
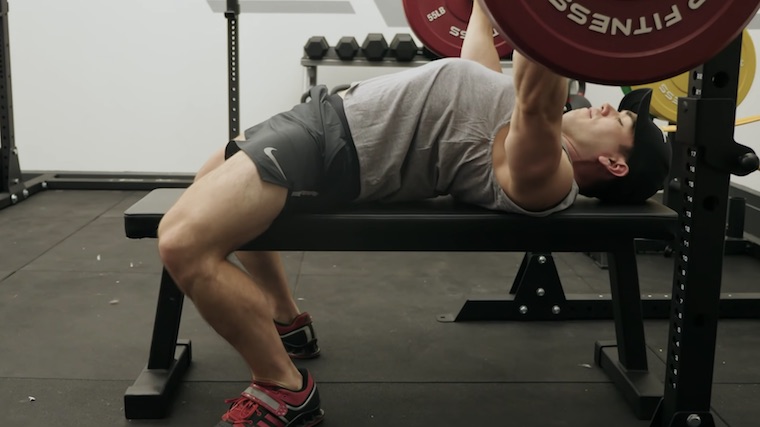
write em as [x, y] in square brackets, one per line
[478, 43]
[539, 174]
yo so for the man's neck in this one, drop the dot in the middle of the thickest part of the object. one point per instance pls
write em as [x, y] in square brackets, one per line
[570, 149]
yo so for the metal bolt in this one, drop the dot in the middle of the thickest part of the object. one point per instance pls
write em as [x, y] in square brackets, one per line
[693, 420]
[540, 292]
[556, 309]
[25, 193]
[523, 309]
[44, 184]
[14, 198]
[542, 259]
[16, 180]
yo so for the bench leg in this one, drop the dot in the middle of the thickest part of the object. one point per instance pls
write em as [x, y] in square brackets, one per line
[521, 272]
[536, 294]
[151, 394]
[625, 361]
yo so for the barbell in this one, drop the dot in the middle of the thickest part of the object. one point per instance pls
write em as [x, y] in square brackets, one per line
[612, 42]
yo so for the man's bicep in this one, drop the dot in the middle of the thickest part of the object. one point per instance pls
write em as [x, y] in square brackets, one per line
[533, 145]
[540, 174]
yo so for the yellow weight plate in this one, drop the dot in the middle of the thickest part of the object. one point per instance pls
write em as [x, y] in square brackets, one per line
[666, 93]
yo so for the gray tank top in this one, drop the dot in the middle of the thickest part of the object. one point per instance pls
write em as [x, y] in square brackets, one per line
[428, 131]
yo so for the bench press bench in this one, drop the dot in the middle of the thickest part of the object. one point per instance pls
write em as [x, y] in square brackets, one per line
[435, 225]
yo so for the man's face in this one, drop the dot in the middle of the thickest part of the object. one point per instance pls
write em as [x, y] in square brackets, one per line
[599, 131]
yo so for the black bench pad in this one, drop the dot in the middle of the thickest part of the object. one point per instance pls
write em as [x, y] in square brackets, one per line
[437, 225]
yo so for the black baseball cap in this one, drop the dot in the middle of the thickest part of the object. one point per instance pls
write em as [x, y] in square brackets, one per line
[648, 162]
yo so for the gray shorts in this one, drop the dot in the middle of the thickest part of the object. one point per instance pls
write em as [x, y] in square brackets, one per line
[307, 150]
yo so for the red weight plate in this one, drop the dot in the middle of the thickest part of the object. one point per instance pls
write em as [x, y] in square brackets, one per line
[442, 24]
[620, 42]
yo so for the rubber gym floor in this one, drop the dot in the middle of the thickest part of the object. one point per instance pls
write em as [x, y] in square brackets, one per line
[77, 301]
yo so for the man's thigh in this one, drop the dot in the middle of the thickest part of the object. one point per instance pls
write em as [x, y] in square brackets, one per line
[227, 207]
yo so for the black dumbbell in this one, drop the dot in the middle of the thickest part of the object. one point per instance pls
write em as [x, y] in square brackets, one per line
[316, 47]
[403, 47]
[347, 48]
[375, 47]
[429, 54]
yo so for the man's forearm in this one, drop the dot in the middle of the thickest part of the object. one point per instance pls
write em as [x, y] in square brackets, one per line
[478, 42]
[539, 89]
[539, 177]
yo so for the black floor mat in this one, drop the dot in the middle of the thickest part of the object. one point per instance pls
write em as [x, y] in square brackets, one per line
[77, 301]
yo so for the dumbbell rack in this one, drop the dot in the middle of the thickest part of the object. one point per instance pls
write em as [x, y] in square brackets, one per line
[331, 59]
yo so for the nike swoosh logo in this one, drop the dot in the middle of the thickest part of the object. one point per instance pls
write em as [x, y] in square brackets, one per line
[268, 151]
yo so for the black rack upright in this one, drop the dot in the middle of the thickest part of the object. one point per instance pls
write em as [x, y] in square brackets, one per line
[709, 156]
[11, 183]
[233, 42]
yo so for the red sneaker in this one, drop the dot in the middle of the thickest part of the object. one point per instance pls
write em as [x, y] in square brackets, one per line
[299, 338]
[266, 405]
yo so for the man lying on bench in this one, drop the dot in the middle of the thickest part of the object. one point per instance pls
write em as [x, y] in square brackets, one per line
[455, 126]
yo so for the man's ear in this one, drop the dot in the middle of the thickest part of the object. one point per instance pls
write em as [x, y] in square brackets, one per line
[616, 165]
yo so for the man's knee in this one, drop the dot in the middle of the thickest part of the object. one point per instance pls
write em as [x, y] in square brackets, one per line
[184, 257]
[192, 238]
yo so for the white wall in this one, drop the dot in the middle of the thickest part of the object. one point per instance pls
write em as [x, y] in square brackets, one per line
[141, 85]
